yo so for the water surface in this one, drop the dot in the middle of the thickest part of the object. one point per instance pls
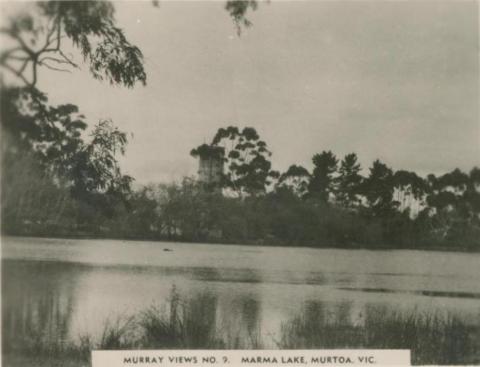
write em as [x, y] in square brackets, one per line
[72, 287]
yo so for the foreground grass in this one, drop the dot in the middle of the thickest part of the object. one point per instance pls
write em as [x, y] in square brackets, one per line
[433, 339]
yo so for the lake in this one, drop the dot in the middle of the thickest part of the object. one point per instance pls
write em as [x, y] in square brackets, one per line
[73, 287]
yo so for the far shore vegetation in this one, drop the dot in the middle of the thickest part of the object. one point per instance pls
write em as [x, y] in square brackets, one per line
[192, 323]
[247, 202]
[58, 180]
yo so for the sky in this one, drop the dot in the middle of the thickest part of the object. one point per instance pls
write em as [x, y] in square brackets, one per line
[397, 81]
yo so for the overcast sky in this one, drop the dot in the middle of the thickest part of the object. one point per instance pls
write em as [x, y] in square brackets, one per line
[398, 81]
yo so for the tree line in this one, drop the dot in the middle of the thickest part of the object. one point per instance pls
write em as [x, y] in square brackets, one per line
[334, 204]
[60, 180]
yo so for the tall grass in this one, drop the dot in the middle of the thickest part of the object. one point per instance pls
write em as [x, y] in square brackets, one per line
[194, 324]
[188, 325]
[432, 339]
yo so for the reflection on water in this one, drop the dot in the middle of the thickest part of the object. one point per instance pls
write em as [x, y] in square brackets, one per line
[59, 291]
[38, 302]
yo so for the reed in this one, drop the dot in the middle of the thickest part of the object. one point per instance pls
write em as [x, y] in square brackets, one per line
[193, 324]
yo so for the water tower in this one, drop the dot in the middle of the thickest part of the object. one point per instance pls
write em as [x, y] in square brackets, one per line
[211, 162]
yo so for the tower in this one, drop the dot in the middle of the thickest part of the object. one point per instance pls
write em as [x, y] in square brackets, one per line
[210, 167]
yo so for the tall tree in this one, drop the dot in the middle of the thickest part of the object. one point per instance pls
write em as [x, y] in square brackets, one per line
[95, 167]
[348, 181]
[322, 183]
[378, 189]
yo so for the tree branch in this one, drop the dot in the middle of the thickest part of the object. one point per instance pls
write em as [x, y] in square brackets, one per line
[42, 63]
[68, 60]
[50, 34]
[54, 59]
[22, 69]
[17, 73]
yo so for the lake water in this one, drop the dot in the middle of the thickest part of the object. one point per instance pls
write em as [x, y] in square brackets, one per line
[77, 285]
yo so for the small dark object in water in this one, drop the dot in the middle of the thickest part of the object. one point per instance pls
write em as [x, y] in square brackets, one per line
[167, 249]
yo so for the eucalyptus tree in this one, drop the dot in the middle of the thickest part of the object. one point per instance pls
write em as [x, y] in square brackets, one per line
[95, 167]
[409, 189]
[39, 40]
[446, 191]
[455, 181]
[39, 37]
[296, 179]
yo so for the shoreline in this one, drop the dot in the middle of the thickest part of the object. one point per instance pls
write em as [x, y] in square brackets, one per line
[252, 244]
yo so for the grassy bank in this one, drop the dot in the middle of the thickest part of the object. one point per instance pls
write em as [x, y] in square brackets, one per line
[192, 324]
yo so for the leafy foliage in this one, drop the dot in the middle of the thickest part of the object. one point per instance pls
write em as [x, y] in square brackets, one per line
[238, 10]
[95, 168]
[90, 25]
[295, 179]
[47, 163]
[82, 172]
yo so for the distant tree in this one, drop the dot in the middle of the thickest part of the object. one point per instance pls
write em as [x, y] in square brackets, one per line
[408, 187]
[446, 191]
[142, 220]
[456, 181]
[348, 181]
[453, 213]
[378, 189]
[295, 179]
[443, 200]
[475, 178]
[322, 183]
[186, 210]
[472, 194]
